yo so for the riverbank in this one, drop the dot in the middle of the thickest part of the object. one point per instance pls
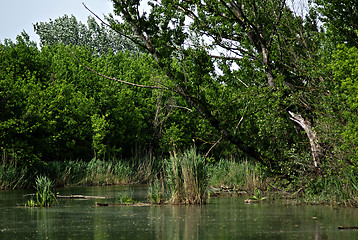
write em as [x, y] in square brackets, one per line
[78, 173]
[225, 177]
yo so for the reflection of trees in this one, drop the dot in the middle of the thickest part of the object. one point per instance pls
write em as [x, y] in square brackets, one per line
[221, 218]
[176, 222]
[45, 223]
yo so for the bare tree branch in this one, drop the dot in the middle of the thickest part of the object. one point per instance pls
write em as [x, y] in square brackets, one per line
[316, 149]
[216, 143]
[132, 38]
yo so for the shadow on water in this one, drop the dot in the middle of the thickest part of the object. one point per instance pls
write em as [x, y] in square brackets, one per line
[222, 218]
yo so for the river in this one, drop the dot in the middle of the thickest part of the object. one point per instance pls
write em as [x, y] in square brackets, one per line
[221, 218]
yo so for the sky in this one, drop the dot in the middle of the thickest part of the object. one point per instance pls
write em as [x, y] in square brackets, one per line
[19, 15]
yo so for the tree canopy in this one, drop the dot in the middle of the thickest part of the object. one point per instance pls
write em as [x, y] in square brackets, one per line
[234, 78]
[69, 31]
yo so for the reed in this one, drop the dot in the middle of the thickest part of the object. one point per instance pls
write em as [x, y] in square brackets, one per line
[187, 178]
[243, 175]
[12, 177]
[156, 192]
[107, 172]
[95, 172]
[45, 196]
[342, 189]
[145, 169]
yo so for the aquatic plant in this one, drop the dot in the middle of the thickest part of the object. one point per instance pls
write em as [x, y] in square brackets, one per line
[44, 192]
[241, 174]
[187, 178]
[127, 199]
[257, 196]
[156, 192]
[30, 203]
[45, 197]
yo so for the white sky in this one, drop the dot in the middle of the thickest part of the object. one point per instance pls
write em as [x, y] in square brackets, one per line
[19, 15]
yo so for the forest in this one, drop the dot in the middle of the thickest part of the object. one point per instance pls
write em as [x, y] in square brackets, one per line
[255, 85]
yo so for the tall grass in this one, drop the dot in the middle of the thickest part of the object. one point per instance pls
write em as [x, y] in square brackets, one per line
[187, 178]
[12, 177]
[98, 172]
[45, 195]
[242, 175]
[94, 172]
[341, 189]
[107, 173]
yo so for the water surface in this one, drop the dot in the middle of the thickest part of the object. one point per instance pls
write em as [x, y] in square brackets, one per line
[221, 218]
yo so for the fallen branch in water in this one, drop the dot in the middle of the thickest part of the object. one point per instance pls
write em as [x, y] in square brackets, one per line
[80, 196]
[122, 204]
[71, 196]
[347, 227]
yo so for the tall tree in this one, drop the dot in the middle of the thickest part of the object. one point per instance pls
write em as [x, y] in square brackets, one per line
[341, 19]
[68, 30]
[257, 46]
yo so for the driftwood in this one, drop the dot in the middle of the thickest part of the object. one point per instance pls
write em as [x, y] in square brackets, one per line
[122, 204]
[102, 204]
[347, 227]
[252, 201]
[312, 136]
[80, 197]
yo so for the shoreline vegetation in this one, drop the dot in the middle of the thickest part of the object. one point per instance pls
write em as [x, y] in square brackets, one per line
[180, 179]
[268, 106]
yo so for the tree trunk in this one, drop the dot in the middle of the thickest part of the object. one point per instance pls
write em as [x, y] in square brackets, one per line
[267, 66]
[316, 149]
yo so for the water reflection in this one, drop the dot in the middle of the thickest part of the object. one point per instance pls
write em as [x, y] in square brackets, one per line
[222, 218]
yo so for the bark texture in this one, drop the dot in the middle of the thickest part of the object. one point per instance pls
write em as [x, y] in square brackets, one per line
[316, 149]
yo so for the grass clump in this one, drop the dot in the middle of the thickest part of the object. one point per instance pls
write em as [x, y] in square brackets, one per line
[45, 197]
[187, 178]
[341, 190]
[156, 192]
[243, 175]
[257, 196]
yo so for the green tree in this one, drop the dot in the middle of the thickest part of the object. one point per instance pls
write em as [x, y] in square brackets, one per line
[340, 19]
[21, 73]
[345, 69]
[52, 108]
[69, 31]
[257, 45]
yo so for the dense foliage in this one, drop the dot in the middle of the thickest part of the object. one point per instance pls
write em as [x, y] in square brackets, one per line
[221, 75]
[69, 31]
[247, 66]
[54, 109]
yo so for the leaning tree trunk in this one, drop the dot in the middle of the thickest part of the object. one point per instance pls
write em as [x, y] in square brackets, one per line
[317, 151]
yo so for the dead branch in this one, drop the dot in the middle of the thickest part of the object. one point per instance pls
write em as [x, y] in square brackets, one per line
[175, 106]
[81, 197]
[312, 136]
[132, 38]
[207, 153]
